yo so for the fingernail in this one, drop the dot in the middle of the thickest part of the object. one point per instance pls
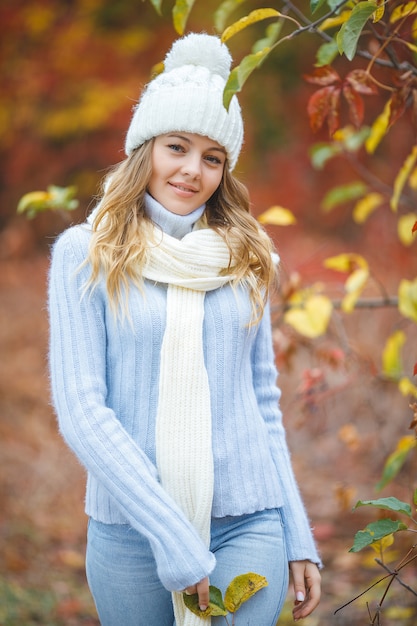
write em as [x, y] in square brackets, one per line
[187, 593]
[203, 607]
[300, 596]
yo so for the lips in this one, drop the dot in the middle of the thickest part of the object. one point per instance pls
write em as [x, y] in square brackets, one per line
[185, 188]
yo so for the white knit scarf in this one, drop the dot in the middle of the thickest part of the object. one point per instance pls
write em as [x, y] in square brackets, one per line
[190, 267]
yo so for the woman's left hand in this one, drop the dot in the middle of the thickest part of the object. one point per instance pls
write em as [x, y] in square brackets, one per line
[307, 587]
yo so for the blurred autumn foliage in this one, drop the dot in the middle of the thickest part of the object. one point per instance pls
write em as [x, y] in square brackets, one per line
[71, 71]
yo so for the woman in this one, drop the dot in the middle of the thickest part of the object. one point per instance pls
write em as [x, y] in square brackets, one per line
[163, 372]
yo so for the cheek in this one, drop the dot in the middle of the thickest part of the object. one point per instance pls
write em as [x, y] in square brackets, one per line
[215, 181]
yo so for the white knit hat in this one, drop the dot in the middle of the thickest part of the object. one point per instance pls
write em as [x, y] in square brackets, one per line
[188, 96]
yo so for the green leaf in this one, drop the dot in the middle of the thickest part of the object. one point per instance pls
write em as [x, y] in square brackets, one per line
[271, 37]
[239, 75]
[216, 605]
[343, 193]
[242, 588]
[223, 12]
[255, 16]
[180, 13]
[390, 504]
[396, 460]
[316, 4]
[327, 53]
[374, 532]
[156, 5]
[322, 152]
[348, 35]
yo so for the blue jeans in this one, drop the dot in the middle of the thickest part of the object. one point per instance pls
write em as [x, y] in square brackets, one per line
[122, 576]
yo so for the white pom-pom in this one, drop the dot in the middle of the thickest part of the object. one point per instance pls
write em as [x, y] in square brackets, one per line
[201, 50]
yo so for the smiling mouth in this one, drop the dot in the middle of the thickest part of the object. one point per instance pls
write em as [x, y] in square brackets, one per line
[182, 188]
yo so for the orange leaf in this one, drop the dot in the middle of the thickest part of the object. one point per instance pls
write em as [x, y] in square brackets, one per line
[414, 229]
[415, 369]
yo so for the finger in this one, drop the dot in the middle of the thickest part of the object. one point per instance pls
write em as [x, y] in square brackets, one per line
[304, 608]
[203, 593]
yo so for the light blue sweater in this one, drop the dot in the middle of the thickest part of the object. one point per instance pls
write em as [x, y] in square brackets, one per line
[104, 376]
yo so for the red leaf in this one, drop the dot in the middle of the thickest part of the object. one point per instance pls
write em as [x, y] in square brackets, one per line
[415, 364]
[360, 82]
[333, 116]
[398, 104]
[356, 106]
[323, 76]
[413, 230]
[320, 105]
[414, 106]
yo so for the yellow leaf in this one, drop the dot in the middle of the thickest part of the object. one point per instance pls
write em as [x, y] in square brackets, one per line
[404, 10]
[248, 20]
[36, 200]
[180, 13]
[345, 262]
[411, 46]
[400, 614]
[312, 317]
[367, 205]
[405, 228]
[378, 129]
[412, 181]
[357, 280]
[353, 286]
[242, 588]
[382, 544]
[379, 13]
[277, 216]
[391, 355]
[407, 388]
[332, 22]
[402, 177]
[407, 298]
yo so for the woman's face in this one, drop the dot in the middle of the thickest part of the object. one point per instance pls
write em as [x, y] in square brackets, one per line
[186, 170]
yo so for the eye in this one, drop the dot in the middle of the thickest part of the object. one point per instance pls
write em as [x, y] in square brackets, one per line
[176, 147]
[213, 159]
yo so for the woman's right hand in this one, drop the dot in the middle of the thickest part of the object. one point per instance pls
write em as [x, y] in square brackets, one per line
[202, 588]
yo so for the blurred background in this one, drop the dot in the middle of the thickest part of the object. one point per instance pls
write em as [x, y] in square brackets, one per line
[71, 71]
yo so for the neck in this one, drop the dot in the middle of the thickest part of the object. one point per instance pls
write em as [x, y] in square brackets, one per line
[170, 223]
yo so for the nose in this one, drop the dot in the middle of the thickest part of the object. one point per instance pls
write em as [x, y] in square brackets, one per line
[191, 165]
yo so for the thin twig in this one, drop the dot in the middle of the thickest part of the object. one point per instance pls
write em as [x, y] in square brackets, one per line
[395, 573]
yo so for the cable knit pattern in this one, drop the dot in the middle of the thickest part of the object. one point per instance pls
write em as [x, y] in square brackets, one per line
[105, 387]
[190, 267]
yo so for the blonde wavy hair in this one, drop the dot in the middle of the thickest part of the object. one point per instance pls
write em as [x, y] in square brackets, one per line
[118, 251]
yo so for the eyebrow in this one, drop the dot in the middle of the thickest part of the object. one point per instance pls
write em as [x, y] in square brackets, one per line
[211, 149]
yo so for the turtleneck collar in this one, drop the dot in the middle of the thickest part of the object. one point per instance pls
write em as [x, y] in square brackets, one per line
[174, 225]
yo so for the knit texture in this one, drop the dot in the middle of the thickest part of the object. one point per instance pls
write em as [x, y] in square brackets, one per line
[105, 389]
[184, 458]
[188, 96]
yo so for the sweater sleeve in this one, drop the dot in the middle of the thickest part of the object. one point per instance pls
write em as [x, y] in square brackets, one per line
[299, 537]
[92, 430]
